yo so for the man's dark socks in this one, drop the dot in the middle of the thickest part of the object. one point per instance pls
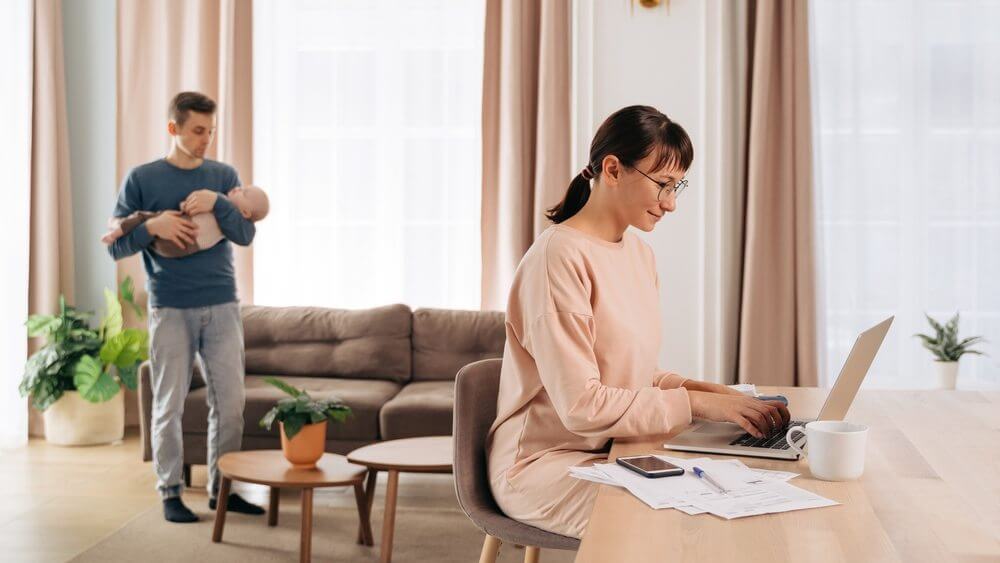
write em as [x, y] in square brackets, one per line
[237, 504]
[175, 511]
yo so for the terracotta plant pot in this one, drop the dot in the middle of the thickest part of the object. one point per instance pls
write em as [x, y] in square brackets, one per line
[305, 449]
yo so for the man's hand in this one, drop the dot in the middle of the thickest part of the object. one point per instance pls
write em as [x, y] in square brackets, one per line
[201, 201]
[170, 225]
[757, 417]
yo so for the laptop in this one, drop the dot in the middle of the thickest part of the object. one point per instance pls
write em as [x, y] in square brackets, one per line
[729, 438]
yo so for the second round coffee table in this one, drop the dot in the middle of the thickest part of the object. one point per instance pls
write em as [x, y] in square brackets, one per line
[431, 454]
[269, 467]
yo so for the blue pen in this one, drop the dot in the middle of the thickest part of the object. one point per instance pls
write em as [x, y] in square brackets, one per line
[715, 485]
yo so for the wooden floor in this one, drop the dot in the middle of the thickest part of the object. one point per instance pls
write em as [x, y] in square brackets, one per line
[59, 501]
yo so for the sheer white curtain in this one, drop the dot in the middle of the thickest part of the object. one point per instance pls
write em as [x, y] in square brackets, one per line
[367, 138]
[908, 137]
[15, 160]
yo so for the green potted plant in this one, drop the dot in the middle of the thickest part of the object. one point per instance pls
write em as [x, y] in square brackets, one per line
[303, 422]
[76, 376]
[947, 349]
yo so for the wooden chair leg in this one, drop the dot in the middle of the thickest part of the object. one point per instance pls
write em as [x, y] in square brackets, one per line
[187, 475]
[220, 509]
[272, 507]
[364, 518]
[491, 549]
[531, 554]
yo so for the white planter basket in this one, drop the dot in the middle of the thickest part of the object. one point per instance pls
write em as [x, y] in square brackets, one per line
[947, 373]
[74, 421]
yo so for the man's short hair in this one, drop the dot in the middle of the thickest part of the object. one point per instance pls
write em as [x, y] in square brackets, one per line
[184, 103]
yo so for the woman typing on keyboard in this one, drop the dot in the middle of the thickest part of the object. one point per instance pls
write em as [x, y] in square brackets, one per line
[583, 332]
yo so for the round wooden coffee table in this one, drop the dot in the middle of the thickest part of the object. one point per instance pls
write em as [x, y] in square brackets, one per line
[269, 467]
[431, 454]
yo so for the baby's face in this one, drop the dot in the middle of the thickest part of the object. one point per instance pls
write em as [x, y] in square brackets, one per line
[251, 201]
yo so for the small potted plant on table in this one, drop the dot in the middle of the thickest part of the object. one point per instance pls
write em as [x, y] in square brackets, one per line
[302, 422]
[947, 349]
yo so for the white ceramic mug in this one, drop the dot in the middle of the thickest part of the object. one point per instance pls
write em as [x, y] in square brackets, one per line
[835, 449]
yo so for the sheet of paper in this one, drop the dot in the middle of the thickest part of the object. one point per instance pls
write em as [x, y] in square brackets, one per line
[748, 389]
[592, 474]
[749, 491]
[766, 498]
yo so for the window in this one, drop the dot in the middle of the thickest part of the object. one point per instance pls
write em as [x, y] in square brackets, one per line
[908, 132]
[367, 137]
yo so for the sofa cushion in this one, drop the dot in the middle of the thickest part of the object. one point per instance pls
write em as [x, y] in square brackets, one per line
[445, 341]
[422, 408]
[319, 342]
[364, 396]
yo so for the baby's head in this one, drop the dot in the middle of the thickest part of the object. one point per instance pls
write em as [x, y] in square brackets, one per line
[251, 201]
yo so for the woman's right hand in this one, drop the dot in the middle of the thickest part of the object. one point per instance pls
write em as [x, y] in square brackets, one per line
[757, 417]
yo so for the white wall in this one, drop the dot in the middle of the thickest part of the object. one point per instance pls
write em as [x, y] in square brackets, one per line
[669, 58]
[89, 48]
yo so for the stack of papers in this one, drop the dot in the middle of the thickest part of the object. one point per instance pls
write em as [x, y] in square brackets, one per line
[749, 491]
[748, 389]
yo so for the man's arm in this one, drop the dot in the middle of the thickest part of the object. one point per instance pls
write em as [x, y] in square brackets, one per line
[130, 201]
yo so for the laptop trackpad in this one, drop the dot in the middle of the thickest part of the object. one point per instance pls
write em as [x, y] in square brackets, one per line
[707, 428]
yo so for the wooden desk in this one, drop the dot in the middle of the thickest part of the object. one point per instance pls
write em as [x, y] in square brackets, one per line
[930, 492]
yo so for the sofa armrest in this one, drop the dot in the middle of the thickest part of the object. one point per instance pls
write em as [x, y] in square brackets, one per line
[145, 397]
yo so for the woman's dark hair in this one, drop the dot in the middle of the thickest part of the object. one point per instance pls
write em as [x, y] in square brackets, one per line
[631, 134]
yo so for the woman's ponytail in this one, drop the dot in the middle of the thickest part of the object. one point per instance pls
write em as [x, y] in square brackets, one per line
[576, 196]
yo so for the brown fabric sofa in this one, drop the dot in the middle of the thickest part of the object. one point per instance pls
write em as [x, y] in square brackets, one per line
[394, 367]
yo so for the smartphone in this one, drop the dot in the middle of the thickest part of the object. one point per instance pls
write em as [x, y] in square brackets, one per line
[650, 466]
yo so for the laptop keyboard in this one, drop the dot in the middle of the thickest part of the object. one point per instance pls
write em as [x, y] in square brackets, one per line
[774, 441]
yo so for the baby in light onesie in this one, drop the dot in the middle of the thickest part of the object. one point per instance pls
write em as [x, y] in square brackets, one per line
[251, 201]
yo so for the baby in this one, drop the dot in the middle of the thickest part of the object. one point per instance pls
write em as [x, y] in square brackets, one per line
[251, 201]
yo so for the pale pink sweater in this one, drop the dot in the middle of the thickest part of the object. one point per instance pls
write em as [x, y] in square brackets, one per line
[579, 368]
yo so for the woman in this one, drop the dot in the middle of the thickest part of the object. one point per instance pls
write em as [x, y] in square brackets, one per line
[583, 332]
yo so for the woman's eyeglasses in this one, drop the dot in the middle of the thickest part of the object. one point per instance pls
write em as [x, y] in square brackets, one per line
[677, 188]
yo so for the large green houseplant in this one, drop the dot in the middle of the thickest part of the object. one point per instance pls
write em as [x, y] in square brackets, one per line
[948, 349]
[79, 363]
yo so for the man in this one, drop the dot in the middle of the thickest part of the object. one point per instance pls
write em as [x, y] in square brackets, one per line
[192, 300]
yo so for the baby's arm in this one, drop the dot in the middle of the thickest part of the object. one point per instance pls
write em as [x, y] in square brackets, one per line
[121, 226]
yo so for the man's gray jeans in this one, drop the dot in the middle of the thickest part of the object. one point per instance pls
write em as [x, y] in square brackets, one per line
[176, 335]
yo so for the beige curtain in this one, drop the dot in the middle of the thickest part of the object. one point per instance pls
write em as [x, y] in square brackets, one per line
[526, 132]
[169, 46]
[50, 271]
[777, 344]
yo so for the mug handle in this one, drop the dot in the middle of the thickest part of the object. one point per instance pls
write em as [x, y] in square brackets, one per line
[791, 443]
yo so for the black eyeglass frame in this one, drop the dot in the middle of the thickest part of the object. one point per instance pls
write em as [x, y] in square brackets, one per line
[677, 188]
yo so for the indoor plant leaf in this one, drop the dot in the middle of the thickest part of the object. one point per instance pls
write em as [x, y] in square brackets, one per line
[129, 375]
[126, 348]
[92, 381]
[283, 386]
[112, 324]
[42, 325]
[127, 290]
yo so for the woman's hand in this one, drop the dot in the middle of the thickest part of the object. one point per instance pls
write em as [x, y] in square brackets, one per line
[757, 417]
